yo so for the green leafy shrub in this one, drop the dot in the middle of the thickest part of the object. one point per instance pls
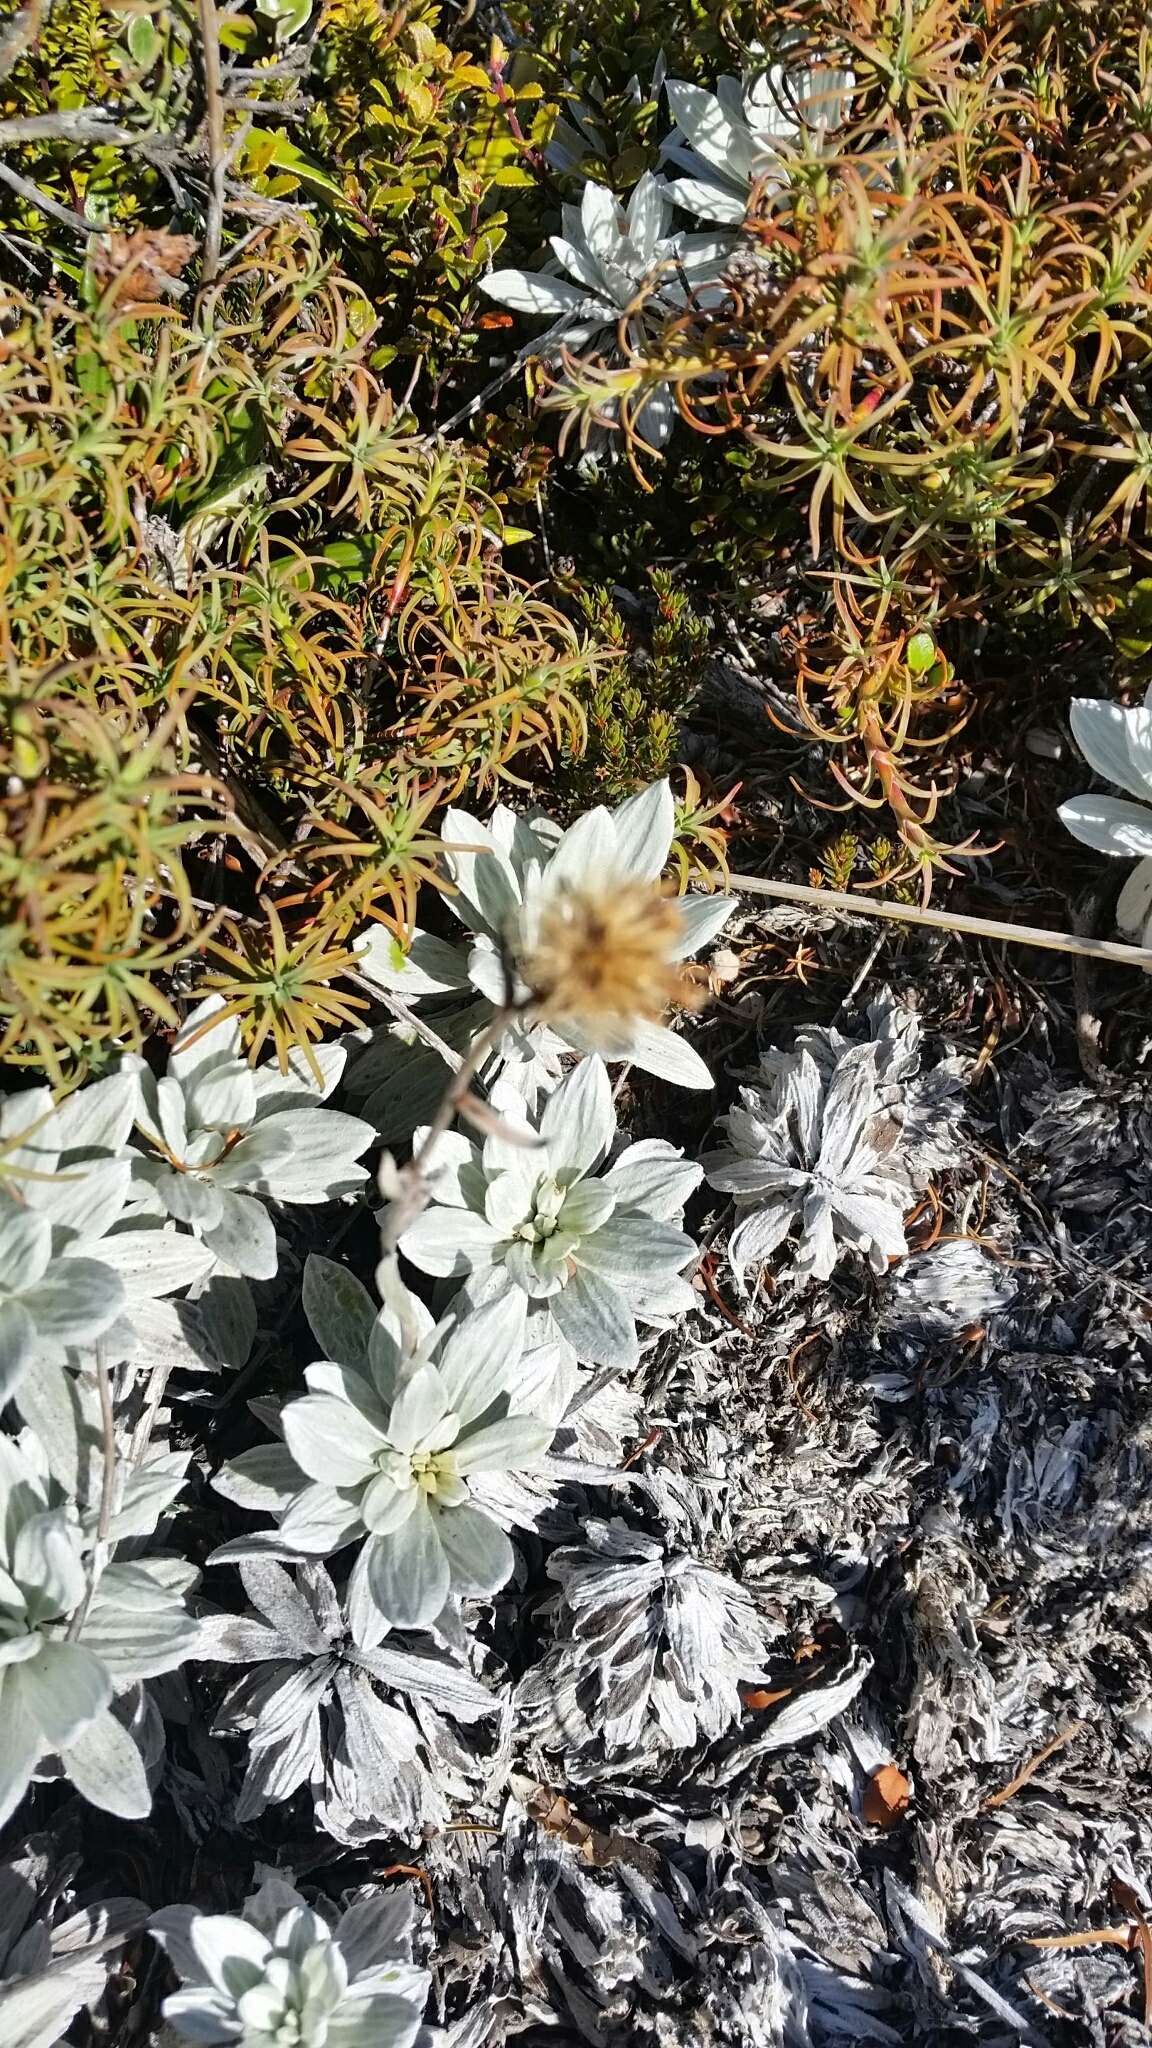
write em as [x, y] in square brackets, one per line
[111, 103]
[644, 687]
[426, 144]
[408, 147]
[244, 599]
[927, 348]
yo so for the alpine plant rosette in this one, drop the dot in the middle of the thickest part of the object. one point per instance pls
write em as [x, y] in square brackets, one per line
[380, 1453]
[621, 262]
[808, 1156]
[278, 1976]
[369, 1730]
[67, 1649]
[652, 1647]
[78, 1262]
[576, 919]
[738, 140]
[222, 1140]
[1117, 743]
[595, 1251]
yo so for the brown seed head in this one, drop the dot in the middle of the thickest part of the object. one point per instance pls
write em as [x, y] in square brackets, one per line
[146, 265]
[603, 959]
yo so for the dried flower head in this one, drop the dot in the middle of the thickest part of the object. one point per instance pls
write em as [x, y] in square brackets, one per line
[604, 957]
[142, 268]
[504, 876]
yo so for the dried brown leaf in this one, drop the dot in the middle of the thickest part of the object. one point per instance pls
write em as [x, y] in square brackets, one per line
[886, 1797]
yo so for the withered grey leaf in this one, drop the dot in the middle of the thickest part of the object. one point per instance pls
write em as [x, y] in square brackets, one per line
[830, 1142]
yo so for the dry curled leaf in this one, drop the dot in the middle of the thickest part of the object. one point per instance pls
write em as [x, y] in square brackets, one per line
[1029, 1770]
[886, 1797]
[598, 1846]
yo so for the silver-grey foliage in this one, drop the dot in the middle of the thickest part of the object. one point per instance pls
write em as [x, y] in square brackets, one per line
[827, 1567]
[74, 1638]
[53, 1962]
[381, 1450]
[78, 1260]
[829, 1145]
[368, 1729]
[621, 263]
[738, 141]
[221, 1140]
[652, 1647]
[278, 1975]
[592, 1242]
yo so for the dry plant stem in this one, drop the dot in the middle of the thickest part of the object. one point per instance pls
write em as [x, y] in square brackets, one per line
[108, 1445]
[83, 124]
[462, 1080]
[862, 977]
[142, 1434]
[214, 123]
[141, 1438]
[1085, 1937]
[412, 1197]
[98, 1558]
[1034, 1763]
[469, 411]
[1084, 917]
[948, 920]
[35, 197]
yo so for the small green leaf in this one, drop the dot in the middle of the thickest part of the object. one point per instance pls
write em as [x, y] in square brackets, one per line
[143, 41]
[287, 16]
[236, 33]
[267, 151]
[513, 175]
[351, 554]
[920, 653]
[208, 518]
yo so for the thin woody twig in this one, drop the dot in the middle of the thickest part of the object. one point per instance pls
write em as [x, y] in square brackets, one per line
[1085, 1937]
[73, 124]
[214, 124]
[946, 920]
[1030, 1769]
[411, 1195]
[35, 197]
[142, 1434]
[862, 977]
[108, 1440]
[141, 1437]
